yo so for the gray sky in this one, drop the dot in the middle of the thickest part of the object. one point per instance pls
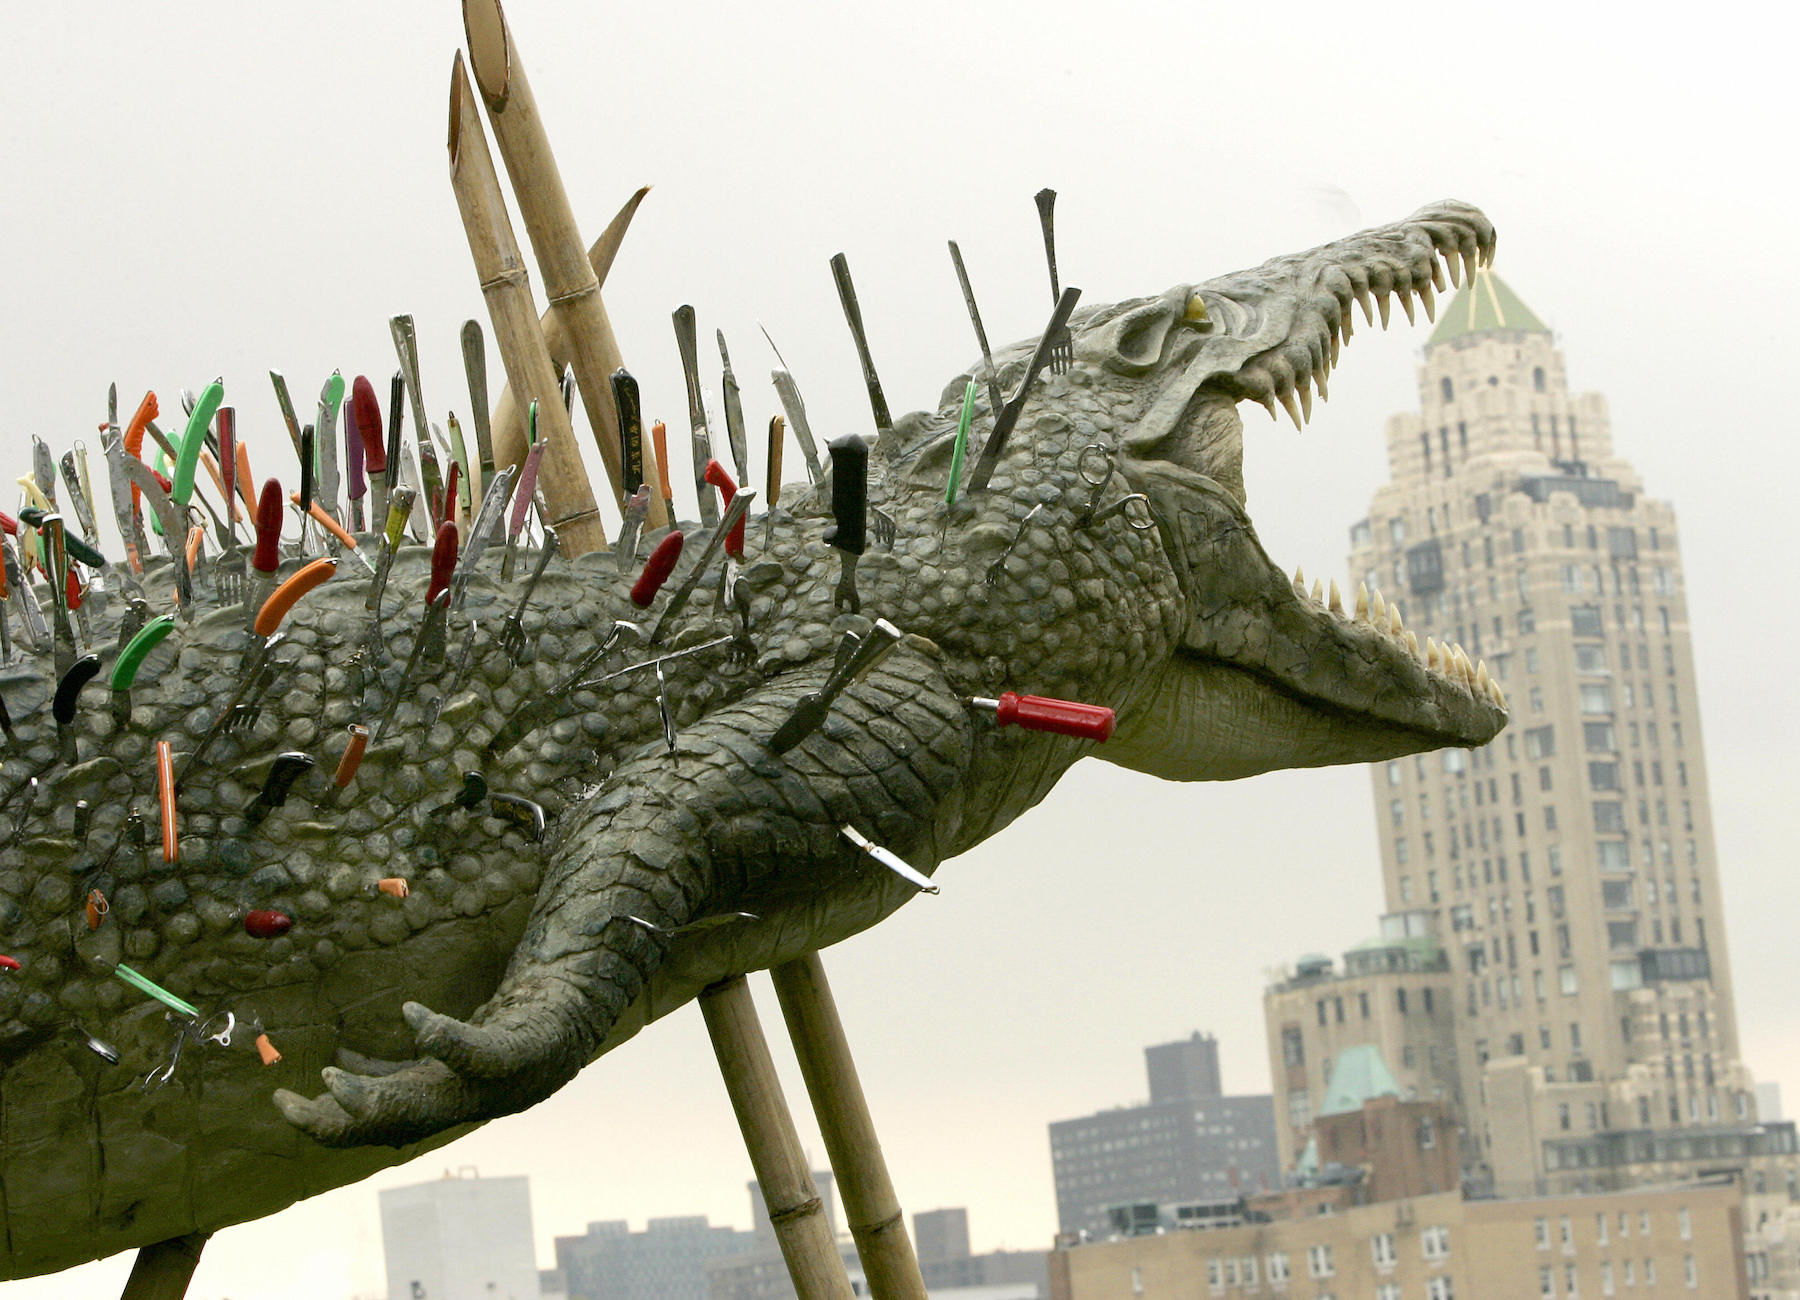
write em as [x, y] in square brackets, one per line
[246, 187]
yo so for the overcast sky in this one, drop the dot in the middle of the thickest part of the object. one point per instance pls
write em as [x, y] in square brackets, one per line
[243, 187]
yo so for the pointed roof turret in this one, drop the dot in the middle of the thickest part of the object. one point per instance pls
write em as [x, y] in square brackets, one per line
[1358, 1075]
[1485, 305]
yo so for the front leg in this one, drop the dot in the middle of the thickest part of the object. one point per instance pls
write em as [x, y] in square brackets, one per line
[722, 823]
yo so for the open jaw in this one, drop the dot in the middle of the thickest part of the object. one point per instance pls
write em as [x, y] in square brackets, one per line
[1270, 672]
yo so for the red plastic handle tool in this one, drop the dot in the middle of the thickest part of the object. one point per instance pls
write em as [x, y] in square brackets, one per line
[719, 477]
[288, 594]
[443, 562]
[656, 570]
[369, 425]
[268, 528]
[1059, 717]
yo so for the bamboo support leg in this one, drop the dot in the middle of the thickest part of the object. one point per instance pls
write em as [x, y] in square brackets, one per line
[795, 1211]
[888, 1261]
[163, 1270]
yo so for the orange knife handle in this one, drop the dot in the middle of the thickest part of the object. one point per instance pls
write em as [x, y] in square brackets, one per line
[284, 597]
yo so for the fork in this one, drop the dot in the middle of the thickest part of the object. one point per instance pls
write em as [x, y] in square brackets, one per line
[512, 632]
[1062, 350]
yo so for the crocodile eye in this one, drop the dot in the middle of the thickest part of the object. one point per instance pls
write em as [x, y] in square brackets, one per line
[1195, 314]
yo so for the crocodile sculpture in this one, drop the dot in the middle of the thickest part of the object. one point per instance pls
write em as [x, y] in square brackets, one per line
[511, 963]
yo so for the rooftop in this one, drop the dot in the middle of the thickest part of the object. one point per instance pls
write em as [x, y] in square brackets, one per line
[1484, 305]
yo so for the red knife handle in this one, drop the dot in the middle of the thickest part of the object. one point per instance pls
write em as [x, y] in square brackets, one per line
[1060, 717]
[656, 570]
[268, 527]
[443, 562]
[228, 461]
[719, 477]
[369, 425]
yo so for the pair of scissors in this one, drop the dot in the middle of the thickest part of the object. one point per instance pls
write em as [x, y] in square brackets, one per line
[1097, 466]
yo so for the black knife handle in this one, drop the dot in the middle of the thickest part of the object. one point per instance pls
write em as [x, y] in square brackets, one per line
[631, 428]
[396, 406]
[81, 672]
[309, 451]
[283, 772]
[849, 494]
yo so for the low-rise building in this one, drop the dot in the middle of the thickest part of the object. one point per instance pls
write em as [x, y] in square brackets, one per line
[1684, 1240]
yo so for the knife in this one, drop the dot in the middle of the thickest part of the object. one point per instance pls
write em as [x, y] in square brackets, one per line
[789, 392]
[995, 399]
[631, 428]
[406, 343]
[687, 340]
[358, 486]
[815, 706]
[734, 514]
[840, 272]
[848, 531]
[475, 365]
[84, 509]
[287, 408]
[1009, 414]
[659, 437]
[493, 509]
[325, 452]
[267, 557]
[43, 469]
[173, 533]
[125, 515]
[734, 416]
[521, 506]
[374, 446]
[773, 485]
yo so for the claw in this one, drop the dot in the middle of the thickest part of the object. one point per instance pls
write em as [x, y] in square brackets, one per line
[350, 1091]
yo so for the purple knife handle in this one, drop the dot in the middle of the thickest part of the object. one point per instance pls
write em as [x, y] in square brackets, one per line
[228, 461]
[523, 493]
[353, 454]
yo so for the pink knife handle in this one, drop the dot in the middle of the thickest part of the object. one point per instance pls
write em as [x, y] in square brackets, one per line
[522, 493]
[228, 460]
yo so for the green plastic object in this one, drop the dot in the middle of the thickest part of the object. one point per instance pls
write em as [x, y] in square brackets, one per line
[531, 426]
[146, 985]
[962, 444]
[193, 440]
[138, 648]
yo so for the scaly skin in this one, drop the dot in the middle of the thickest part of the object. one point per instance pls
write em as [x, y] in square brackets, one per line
[511, 964]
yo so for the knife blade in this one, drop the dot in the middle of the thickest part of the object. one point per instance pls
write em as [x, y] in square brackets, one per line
[814, 707]
[287, 408]
[357, 486]
[493, 509]
[475, 366]
[125, 515]
[734, 514]
[734, 415]
[173, 533]
[995, 398]
[1009, 414]
[84, 509]
[686, 337]
[325, 450]
[406, 343]
[795, 410]
[840, 272]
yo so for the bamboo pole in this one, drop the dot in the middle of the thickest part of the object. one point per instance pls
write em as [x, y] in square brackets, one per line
[508, 424]
[568, 495]
[570, 285]
[888, 1261]
[795, 1210]
[164, 1269]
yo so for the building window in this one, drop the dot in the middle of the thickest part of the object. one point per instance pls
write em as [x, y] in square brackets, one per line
[1692, 1272]
[1438, 1288]
[1447, 388]
[1388, 1291]
[1278, 1266]
[1434, 1242]
[1137, 1280]
[1566, 980]
[1319, 1262]
[1381, 1249]
[1542, 1227]
[1596, 697]
[1686, 1224]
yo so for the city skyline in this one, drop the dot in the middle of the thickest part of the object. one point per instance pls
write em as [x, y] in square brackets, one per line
[325, 211]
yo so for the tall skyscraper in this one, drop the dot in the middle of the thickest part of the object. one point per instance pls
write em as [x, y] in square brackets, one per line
[1566, 873]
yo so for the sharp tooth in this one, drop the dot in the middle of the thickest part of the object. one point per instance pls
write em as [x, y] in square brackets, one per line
[1337, 599]
[1437, 275]
[1498, 694]
[1394, 624]
[1299, 582]
[1463, 670]
[1382, 302]
[1318, 593]
[1319, 379]
[1469, 264]
[1481, 676]
[1452, 264]
[1412, 644]
[1346, 323]
[1407, 307]
[1334, 347]
[1293, 410]
[1362, 300]
[1362, 602]
[1429, 302]
[1377, 609]
[1305, 399]
[1431, 653]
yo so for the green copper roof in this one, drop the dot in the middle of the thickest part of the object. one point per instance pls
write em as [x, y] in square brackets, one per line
[1483, 305]
[1357, 1076]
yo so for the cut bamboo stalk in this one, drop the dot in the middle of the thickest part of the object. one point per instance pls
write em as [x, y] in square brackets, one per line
[795, 1210]
[886, 1252]
[568, 496]
[162, 1271]
[570, 285]
[508, 423]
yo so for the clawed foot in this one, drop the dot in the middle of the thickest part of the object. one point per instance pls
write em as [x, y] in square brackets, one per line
[513, 1059]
